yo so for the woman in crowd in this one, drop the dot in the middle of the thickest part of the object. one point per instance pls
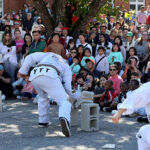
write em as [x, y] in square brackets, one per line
[8, 50]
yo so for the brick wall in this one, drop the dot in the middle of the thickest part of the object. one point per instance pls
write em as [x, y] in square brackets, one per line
[125, 5]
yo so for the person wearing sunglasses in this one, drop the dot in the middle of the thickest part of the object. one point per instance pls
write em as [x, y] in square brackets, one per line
[115, 78]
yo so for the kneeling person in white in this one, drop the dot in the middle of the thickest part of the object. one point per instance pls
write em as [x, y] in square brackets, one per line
[139, 98]
[47, 77]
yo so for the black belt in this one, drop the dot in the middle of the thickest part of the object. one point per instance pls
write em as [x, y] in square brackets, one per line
[39, 65]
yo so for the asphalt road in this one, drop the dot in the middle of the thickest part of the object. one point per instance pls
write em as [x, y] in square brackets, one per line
[19, 131]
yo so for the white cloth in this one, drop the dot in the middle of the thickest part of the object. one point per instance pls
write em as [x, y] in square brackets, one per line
[50, 87]
[144, 138]
[11, 55]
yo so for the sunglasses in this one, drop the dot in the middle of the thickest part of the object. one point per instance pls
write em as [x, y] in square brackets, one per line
[112, 69]
[73, 52]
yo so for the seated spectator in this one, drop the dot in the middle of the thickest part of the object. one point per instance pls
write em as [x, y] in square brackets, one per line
[70, 46]
[8, 50]
[28, 91]
[89, 83]
[37, 45]
[75, 67]
[115, 78]
[90, 65]
[87, 55]
[5, 83]
[108, 97]
[27, 44]
[131, 66]
[74, 53]
[102, 64]
[80, 82]
[115, 55]
[80, 52]
[55, 46]
[65, 34]
[19, 43]
[83, 72]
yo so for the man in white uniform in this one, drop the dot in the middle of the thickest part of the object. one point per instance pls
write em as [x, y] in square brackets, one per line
[139, 98]
[50, 71]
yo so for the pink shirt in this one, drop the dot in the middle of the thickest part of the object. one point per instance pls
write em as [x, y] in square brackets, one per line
[28, 87]
[19, 43]
[116, 83]
[141, 17]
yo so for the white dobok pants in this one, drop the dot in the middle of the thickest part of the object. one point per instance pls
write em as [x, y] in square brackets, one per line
[144, 138]
[51, 87]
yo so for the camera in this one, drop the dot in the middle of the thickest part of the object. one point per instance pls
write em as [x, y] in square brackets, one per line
[87, 81]
[129, 62]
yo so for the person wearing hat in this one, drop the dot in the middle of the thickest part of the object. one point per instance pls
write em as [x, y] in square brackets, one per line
[5, 82]
[129, 41]
[65, 34]
[90, 65]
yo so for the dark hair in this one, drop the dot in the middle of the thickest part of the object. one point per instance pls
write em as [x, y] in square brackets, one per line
[104, 76]
[114, 65]
[7, 26]
[83, 35]
[135, 74]
[54, 34]
[87, 49]
[36, 31]
[79, 76]
[27, 34]
[106, 42]
[135, 81]
[133, 49]
[3, 38]
[110, 82]
[119, 39]
[101, 47]
[118, 48]
[76, 58]
[78, 49]
[70, 41]
[134, 59]
[17, 30]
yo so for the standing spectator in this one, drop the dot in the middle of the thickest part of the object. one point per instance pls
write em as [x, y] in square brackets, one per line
[82, 41]
[111, 24]
[113, 34]
[28, 23]
[75, 67]
[19, 43]
[115, 78]
[8, 50]
[80, 52]
[65, 34]
[55, 46]
[37, 45]
[17, 26]
[104, 42]
[141, 16]
[74, 53]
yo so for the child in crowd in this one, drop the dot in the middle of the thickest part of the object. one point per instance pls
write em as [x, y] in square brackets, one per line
[80, 52]
[87, 55]
[102, 64]
[75, 67]
[107, 99]
[28, 91]
[80, 82]
[115, 55]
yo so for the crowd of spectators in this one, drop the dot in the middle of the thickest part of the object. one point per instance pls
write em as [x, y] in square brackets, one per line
[110, 59]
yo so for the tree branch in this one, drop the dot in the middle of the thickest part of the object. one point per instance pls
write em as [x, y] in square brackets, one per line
[94, 7]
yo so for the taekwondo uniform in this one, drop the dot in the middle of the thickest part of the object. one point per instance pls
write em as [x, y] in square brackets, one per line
[50, 70]
[140, 98]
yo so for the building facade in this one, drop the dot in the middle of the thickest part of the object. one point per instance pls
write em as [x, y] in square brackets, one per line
[7, 6]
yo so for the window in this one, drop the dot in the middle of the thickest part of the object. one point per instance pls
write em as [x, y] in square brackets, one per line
[1, 7]
[136, 4]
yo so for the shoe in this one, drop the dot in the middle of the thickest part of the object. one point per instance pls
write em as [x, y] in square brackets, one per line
[19, 97]
[44, 125]
[3, 97]
[65, 127]
[142, 119]
[107, 109]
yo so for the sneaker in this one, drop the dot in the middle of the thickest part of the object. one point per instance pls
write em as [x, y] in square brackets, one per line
[142, 119]
[65, 127]
[18, 97]
[107, 109]
[44, 125]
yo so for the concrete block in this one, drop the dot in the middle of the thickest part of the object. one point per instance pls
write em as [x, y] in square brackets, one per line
[74, 117]
[90, 117]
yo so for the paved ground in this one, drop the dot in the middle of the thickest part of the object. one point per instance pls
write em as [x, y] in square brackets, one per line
[19, 131]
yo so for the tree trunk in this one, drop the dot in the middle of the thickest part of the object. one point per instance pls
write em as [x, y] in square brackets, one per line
[94, 7]
[58, 10]
[45, 16]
